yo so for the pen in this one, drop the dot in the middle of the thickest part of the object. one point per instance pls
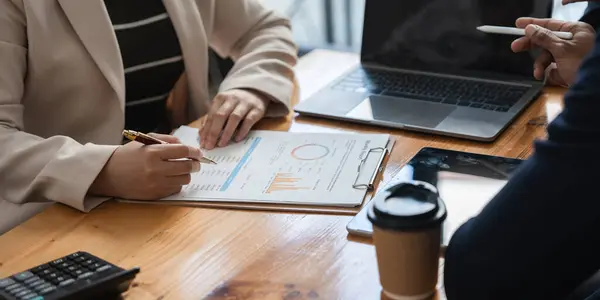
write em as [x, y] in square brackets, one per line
[149, 140]
[519, 31]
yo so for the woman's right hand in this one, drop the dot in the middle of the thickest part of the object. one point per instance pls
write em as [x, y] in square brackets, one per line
[139, 172]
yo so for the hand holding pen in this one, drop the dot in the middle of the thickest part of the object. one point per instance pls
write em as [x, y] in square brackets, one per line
[560, 58]
[150, 140]
[138, 172]
[564, 45]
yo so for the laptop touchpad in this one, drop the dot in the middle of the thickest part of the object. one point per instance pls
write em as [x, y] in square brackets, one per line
[400, 110]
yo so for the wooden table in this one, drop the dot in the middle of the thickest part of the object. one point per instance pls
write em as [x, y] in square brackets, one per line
[193, 253]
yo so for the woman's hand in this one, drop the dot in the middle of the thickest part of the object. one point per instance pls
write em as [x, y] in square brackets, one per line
[140, 172]
[231, 111]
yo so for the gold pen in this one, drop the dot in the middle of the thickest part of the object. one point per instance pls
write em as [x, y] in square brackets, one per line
[149, 140]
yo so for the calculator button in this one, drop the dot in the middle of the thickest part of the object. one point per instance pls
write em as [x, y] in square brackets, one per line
[43, 287]
[17, 290]
[31, 279]
[36, 283]
[41, 268]
[104, 268]
[79, 259]
[12, 287]
[29, 296]
[22, 293]
[72, 268]
[47, 290]
[53, 275]
[6, 282]
[88, 262]
[23, 275]
[66, 282]
[60, 279]
[58, 261]
[74, 255]
[65, 265]
[85, 275]
[78, 272]
[45, 272]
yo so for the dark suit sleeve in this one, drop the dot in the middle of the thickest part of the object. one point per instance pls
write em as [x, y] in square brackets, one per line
[539, 238]
[592, 15]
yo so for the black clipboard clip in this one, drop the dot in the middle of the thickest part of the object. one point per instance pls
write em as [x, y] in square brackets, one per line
[369, 185]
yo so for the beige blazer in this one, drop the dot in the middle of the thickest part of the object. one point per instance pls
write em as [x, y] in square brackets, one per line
[62, 89]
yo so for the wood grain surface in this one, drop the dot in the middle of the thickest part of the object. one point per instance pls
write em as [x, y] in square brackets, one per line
[195, 253]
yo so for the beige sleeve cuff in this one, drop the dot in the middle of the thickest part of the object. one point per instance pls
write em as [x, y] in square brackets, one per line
[72, 184]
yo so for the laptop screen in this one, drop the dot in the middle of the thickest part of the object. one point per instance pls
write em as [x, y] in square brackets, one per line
[441, 35]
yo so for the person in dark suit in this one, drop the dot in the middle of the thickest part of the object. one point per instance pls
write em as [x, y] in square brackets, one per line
[592, 15]
[538, 238]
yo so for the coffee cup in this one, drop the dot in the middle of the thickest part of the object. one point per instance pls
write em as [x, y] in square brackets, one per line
[407, 232]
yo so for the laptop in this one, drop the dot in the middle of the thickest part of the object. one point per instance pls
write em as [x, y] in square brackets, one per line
[425, 67]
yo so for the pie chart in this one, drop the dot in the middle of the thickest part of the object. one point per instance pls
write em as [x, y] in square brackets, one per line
[310, 152]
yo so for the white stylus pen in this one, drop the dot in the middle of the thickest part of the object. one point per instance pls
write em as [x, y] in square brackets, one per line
[519, 31]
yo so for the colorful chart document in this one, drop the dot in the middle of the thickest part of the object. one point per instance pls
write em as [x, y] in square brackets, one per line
[287, 168]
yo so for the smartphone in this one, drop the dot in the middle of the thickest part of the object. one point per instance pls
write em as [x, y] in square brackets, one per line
[360, 224]
[465, 181]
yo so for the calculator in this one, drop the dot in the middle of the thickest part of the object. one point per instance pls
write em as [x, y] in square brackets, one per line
[79, 275]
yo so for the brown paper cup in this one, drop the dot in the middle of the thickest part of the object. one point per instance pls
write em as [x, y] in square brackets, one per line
[408, 262]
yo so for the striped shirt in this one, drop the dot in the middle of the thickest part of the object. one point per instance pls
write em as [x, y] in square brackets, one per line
[152, 60]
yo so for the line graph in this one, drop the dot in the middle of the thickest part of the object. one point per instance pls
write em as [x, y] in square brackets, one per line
[285, 182]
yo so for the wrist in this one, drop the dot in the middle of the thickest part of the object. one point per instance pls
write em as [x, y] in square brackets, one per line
[99, 186]
[265, 98]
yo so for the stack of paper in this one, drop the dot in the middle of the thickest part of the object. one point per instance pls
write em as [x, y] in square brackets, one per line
[273, 167]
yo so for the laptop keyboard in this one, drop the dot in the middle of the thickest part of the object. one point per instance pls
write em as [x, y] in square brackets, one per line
[454, 91]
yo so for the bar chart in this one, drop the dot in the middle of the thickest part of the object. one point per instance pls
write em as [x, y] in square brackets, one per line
[286, 182]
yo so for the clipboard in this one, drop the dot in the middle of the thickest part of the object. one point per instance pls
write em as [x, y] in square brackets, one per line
[369, 185]
[368, 170]
[381, 154]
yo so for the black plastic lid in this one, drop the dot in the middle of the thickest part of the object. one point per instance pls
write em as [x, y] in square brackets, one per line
[409, 205]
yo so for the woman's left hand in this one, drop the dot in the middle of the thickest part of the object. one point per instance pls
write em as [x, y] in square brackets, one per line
[232, 112]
